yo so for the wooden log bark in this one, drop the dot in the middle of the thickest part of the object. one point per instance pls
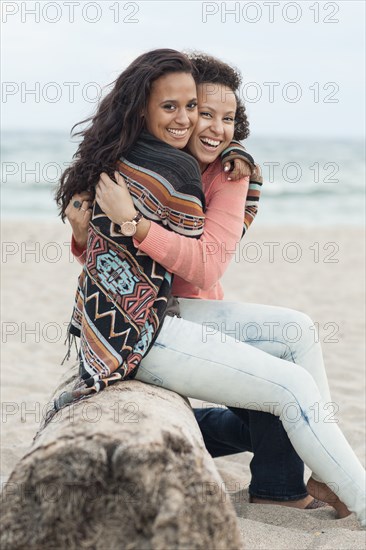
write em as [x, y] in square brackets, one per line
[125, 469]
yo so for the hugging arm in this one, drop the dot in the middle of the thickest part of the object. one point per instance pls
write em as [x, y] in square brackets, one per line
[203, 261]
[235, 154]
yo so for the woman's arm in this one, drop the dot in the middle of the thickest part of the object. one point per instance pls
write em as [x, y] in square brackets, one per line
[78, 213]
[253, 196]
[201, 261]
[79, 253]
[237, 163]
[204, 261]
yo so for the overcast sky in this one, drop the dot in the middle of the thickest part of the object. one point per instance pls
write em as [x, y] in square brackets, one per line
[302, 62]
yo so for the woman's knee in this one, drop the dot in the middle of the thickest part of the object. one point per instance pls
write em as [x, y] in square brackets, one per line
[299, 398]
[297, 328]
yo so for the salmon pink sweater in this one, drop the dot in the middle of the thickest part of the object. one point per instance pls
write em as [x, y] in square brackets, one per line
[199, 263]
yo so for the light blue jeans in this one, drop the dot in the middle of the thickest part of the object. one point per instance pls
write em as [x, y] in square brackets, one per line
[261, 358]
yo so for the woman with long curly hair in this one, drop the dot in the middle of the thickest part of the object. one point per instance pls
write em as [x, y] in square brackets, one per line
[167, 185]
[219, 367]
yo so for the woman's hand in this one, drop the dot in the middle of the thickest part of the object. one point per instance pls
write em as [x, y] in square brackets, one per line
[240, 170]
[78, 212]
[115, 199]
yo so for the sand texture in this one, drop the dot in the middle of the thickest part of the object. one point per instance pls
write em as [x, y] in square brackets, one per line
[327, 282]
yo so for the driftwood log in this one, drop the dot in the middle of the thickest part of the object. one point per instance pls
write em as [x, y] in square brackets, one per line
[125, 469]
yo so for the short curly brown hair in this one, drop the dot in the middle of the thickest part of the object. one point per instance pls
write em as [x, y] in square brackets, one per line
[211, 70]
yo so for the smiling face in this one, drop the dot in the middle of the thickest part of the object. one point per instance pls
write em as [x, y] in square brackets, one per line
[215, 126]
[171, 112]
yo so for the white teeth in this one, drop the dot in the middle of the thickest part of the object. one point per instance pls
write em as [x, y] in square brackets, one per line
[177, 132]
[211, 142]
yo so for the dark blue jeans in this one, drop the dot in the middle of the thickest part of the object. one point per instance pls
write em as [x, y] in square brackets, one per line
[277, 471]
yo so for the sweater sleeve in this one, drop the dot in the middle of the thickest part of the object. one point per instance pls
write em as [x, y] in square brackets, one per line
[235, 150]
[79, 253]
[251, 204]
[202, 261]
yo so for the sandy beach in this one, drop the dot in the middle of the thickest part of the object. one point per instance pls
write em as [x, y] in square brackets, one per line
[317, 270]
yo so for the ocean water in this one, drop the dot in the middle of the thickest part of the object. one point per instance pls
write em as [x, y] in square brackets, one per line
[306, 182]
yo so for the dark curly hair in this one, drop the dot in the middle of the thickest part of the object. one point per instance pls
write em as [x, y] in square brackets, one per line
[117, 123]
[210, 70]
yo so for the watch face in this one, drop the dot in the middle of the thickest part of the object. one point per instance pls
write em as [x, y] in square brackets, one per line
[128, 229]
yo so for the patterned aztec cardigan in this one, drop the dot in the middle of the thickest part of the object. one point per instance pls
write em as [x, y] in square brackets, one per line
[122, 293]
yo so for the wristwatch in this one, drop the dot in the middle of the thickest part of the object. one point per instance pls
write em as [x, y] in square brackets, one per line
[128, 229]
